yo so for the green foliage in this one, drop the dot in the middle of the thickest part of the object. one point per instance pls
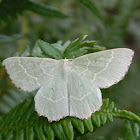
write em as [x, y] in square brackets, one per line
[132, 130]
[70, 50]
[118, 26]
[26, 124]
[45, 10]
[92, 7]
[11, 8]
[73, 49]
[11, 98]
[49, 50]
[8, 39]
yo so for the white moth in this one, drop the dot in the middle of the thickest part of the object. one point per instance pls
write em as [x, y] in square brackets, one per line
[69, 87]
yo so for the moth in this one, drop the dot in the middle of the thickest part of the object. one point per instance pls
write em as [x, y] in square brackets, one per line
[69, 87]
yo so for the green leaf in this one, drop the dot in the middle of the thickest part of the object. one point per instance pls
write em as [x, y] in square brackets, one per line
[26, 52]
[88, 124]
[68, 129]
[96, 120]
[129, 132]
[39, 131]
[19, 134]
[36, 52]
[135, 128]
[115, 110]
[73, 46]
[78, 124]
[58, 45]
[96, 48]
[103, 118]
[58, 130]
[105, 105]
[45, 10]
[110, 117]
[88, 44]
[92, 7]
[90, 47]
[29, 133]
[48, 131]
[110, 109]
[76, 53]
[127, 114]
[111, 106]
[132, 130]
[49, 50]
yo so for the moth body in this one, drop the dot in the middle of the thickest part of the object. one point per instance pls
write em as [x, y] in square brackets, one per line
[66, 67]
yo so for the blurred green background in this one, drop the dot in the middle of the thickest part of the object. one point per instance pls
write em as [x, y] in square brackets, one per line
[113, 23]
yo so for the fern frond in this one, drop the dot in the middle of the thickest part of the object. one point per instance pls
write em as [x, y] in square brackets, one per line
[11, 99]
[23, 123]
[132, 130]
